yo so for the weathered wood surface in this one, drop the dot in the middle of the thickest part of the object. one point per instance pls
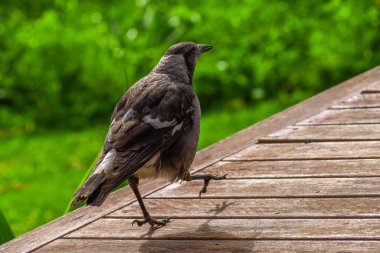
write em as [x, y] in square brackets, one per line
[374, 88]
[47, 233]
[290, 116]
[216, 246]
[324, 133]
[256, 208]
[275, 188]
[370, 100]
[229, 229]
[309, 151]
[77, 219]
[345, 116]
[296, 169]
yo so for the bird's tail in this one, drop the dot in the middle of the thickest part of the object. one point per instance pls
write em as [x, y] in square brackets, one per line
[91, 190]
[98, 197]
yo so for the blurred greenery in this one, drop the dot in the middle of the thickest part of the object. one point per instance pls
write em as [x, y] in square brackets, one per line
[6, 233]
[70, 207]
[71, 60]
[65, 63]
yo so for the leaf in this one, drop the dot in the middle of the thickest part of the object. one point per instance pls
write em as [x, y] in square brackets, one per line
[6, 233]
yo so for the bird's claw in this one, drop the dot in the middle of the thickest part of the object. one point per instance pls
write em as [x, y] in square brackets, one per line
[207, 180]
[151, 221]
[217, 177]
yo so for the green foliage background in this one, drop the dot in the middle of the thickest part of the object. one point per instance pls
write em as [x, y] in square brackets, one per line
[72, 59]
[65, 63]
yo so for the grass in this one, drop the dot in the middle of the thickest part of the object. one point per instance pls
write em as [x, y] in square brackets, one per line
[39, 173]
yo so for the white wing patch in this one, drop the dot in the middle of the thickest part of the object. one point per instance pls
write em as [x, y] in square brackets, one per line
[107, 162]
[156, 123]
[128, 115]
[177, 128]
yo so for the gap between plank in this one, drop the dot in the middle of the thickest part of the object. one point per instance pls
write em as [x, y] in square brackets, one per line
[292, 177]
[280, 141]
[276, 197]
[332, 108]
[370, 91]
[352, 217]
[302, 177]
[355, 107]
[301, 159]
[336, 124]
[226, 239]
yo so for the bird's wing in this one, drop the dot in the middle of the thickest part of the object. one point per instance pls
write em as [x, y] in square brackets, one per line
[138, 131]
[147, 128]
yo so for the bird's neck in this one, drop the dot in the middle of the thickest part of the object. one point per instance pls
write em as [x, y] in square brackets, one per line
[174, 66]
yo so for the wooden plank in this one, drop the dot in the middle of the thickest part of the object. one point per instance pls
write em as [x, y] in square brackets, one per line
[43, 235]
[290, 116]
[229, 229]
[345, 116]
[190, 246]
[374, 88]
[360, 101]
[324, 133]
[275, 188]
[67, 223]
[296, 169]
[309, 151]
[256, 208]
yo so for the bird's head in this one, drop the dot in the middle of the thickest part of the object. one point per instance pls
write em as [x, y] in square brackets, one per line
[189, 50]
[180, 59]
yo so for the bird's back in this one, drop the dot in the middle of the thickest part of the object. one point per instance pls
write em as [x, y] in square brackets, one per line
[154, 127]
[156, 122]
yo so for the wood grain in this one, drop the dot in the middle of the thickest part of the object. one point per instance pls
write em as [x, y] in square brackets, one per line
[290, 116]
[256, 208]
[296, 169]
[324, 133]
[310, 151]
[275, 188]
[345, 116]
[59, 227]
[74, 220]
[374, 88]
[216, 246]
[229, 229]
[360, 101]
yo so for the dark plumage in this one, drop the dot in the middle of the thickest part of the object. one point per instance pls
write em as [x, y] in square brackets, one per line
[154, 131]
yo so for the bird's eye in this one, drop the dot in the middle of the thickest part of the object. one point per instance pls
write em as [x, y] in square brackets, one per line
[193, 50]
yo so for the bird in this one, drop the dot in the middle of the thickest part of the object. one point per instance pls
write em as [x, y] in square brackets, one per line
[154, 132]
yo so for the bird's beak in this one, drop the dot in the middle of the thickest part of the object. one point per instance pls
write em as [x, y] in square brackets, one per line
[203, 48]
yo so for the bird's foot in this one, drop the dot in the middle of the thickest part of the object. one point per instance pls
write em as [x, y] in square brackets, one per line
[151, 221]
[207, 179]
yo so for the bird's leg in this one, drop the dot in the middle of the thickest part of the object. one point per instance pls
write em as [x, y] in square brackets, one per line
[133, 183]
[206, 178]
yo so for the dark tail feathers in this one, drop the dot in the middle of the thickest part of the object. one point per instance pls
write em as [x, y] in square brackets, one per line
[91, 190]
[97, 198]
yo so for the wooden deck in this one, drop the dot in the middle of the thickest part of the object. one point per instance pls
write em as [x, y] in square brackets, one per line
[306, 179]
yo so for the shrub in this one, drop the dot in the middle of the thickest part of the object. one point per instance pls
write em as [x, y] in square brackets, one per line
[66, 63]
